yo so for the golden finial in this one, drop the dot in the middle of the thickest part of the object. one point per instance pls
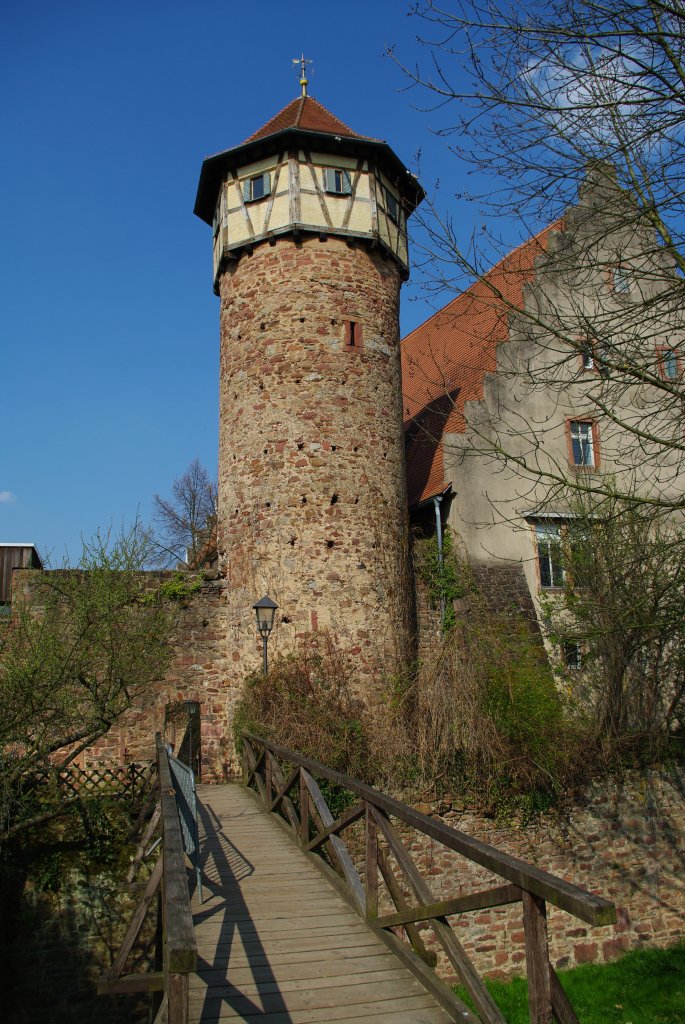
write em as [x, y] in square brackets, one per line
[304, 81]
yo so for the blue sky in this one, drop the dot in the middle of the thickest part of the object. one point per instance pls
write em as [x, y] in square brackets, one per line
[109, 329]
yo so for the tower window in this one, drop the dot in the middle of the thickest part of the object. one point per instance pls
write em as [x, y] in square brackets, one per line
[353, 337]
[392, 206]
[257, 187]
[337, 181]
[216, 223]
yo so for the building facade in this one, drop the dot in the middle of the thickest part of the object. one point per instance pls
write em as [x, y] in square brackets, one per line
[556, 374]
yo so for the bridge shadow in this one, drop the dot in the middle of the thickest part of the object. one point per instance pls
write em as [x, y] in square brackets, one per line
[231, 930]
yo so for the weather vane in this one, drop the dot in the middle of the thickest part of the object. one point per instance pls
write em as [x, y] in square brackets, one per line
[304, 81]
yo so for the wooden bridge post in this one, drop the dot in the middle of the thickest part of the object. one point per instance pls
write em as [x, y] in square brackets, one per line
[537, 959]
[371, 868]
[304, 809]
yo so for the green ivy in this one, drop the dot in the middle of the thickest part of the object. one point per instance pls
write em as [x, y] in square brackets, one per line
[179, 587]
[447, 579]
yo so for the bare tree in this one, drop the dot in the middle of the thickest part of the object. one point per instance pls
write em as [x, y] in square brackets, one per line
[619, 622]
[186, 522]
[555, 98]
[571, 114]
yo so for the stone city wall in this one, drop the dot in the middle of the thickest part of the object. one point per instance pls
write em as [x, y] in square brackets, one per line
[198, 672]
[625, 841]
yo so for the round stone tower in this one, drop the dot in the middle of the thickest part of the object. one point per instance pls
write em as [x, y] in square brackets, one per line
[310, 249]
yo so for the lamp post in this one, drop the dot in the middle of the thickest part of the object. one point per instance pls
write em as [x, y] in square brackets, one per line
[265, 611]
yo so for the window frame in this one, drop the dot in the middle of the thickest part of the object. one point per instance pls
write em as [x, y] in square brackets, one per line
[216, 220]
[392, 206]
[345, 181]
[668, 350]
[587, 354]
[594, 436]
[353, 335]
[567, 537]
[557, 574]
[620, 281]
[248, 187]
[572, 655]
[588, 358]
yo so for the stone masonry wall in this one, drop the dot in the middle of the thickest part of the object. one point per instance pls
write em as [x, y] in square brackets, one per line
[625, 841]
[504, 589]
[198, 671]
[312, 503]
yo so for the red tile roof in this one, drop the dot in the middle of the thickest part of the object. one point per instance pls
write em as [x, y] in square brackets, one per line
[308, 114]
[445, 360]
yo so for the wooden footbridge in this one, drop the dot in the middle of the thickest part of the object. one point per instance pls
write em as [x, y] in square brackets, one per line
[302, 917]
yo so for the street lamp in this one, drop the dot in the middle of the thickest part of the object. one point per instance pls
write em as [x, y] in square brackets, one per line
[265, 611]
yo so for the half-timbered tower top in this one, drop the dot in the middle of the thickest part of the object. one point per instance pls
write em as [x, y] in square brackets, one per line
[306, 172]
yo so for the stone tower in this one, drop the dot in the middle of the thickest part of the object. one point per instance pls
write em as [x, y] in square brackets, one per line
[310, 249]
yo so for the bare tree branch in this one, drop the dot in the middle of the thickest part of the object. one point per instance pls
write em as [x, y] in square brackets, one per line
[187, 521]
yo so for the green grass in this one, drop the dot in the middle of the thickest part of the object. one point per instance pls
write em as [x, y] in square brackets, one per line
[643, 987]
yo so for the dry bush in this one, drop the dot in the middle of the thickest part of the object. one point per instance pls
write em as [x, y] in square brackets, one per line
[483, 718]
[308, 704]
[486, 716]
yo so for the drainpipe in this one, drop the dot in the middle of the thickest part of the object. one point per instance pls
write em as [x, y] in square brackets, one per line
[438, 529]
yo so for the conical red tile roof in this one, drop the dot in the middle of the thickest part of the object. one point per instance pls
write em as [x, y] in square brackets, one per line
[308, 114]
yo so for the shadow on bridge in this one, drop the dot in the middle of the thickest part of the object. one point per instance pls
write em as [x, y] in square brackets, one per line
[227, 934]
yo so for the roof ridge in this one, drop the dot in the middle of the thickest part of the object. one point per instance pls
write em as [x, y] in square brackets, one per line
[272, 118]
[294, 113]
[328, 112]
[300, 110]
[554, 225]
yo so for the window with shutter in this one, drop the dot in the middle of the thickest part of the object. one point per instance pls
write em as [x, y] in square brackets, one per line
[337, 181]
[257, 187]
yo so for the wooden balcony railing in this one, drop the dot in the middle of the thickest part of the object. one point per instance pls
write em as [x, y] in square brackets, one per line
[288, 789]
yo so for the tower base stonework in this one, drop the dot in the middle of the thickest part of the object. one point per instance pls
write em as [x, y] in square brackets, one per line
[312, 501]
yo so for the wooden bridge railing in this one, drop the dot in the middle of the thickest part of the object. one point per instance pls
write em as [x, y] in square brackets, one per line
[175, 945]
[286, 784]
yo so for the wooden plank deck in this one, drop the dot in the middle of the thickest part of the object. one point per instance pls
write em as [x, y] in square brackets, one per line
[276, 943]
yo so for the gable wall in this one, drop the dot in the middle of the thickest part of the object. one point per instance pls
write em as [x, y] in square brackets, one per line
[539, 385]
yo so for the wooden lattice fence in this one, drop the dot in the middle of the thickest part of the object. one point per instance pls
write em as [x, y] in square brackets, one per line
[130, 781]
